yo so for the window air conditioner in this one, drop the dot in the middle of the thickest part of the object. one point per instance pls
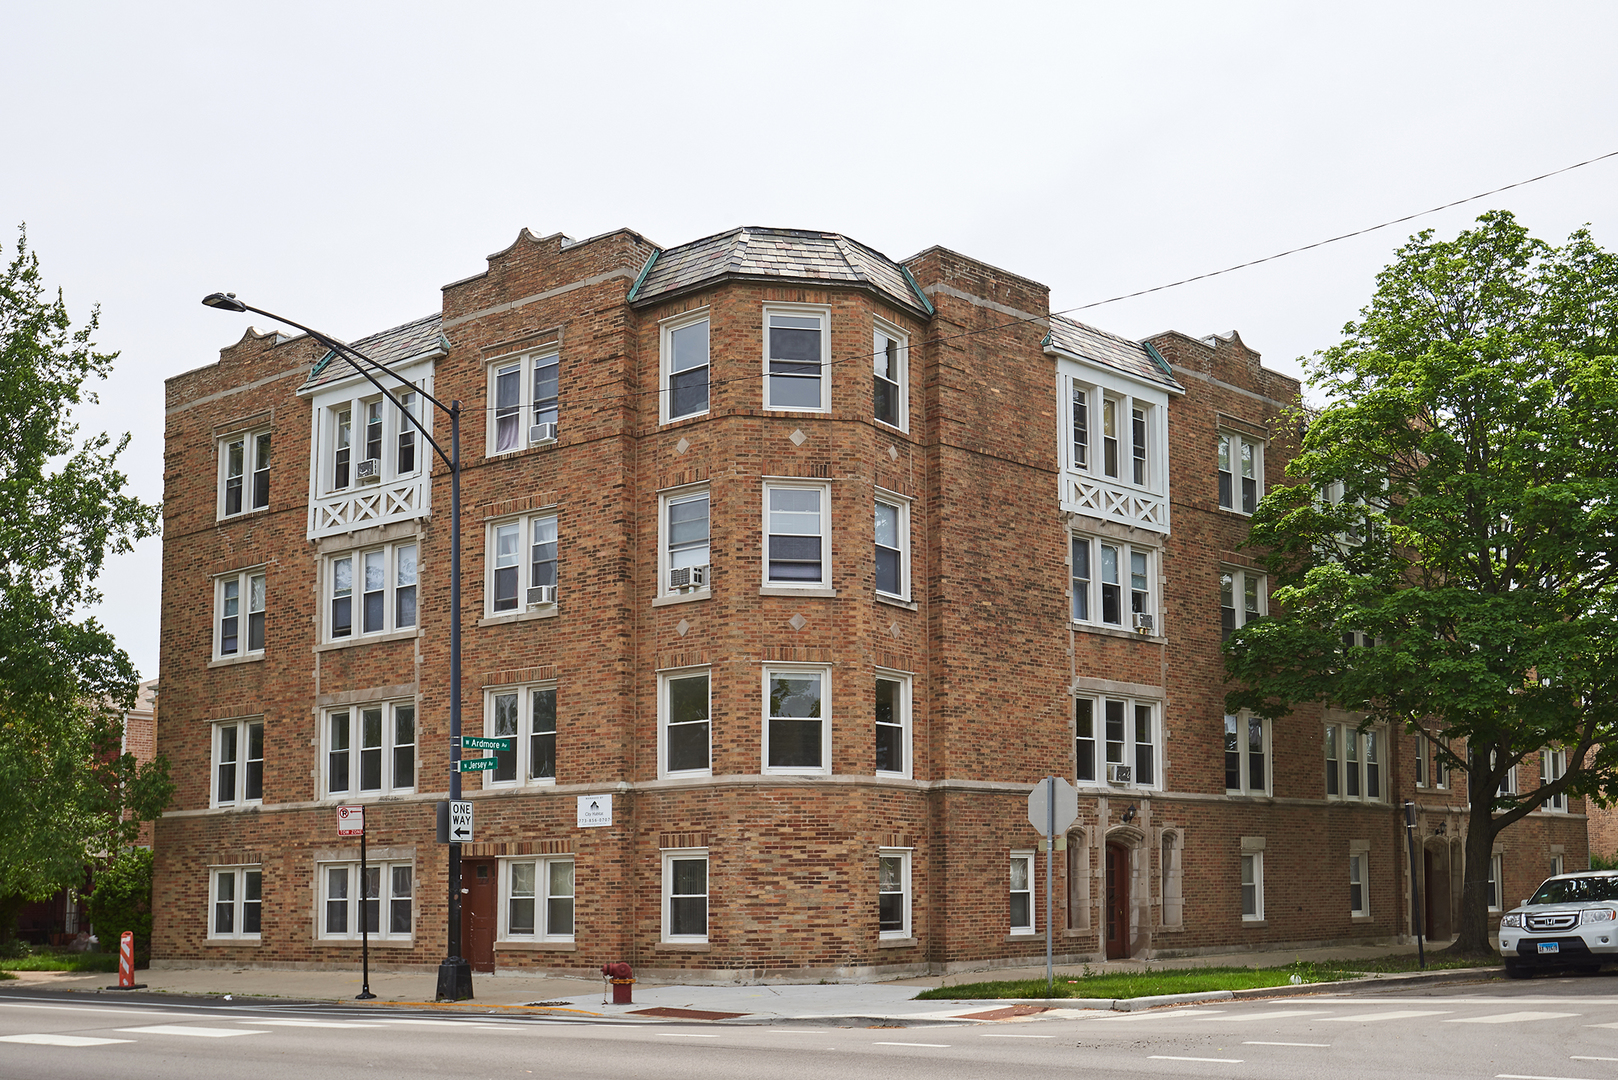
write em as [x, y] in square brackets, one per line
[1118, 774]
[541, 594]
[688, 577]
[368, 471]
[542, 433]
[1143, 624]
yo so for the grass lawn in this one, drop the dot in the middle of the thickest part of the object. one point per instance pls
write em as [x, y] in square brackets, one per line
[1133, 984]
[49, 961]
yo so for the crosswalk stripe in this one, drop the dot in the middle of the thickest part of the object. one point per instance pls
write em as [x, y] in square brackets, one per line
[1256, 1042]
[311, 1023]
[60, 1040]
[1398, 1014]
[1509, 1018]
[1276, 1015]
[1171, 1057]
[195, 1032]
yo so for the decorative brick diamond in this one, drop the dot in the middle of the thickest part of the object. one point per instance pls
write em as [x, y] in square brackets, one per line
[797, 622]
[893, 453]
[682, 446]
[683, 628]
[798, 437]
[894, 629]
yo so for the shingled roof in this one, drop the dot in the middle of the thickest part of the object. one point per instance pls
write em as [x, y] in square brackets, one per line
[778, 253]
[1109, 350]
[415, 338]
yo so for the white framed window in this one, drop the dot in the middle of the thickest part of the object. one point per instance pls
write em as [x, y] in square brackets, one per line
[520, 564]
[527, 716]
[684, 729]
[367, 440]
[1247, 754]
[239, 614]
[893, 893]
[371, 592]
[797, 528]
[1241, 472]
[1022, 892]
[893, 546]
[1552, 767]
[797, 720]
[1113, 583]
[1114, 435]
[244, 473]
[684, 530]
[385, 899]
[893, 714]
[1241, 600]
[1252, 886]
[1556, 865]
[1431, 769]
[1496, 879]
[1359, 889]
[685, 895]
[685, 366]
[1114, 737]
[523, 397]
[370, 749]
[238, 762]
[538, 899]
[890, 356]
[797, 344]
[1508, 782]
[1354, 761]
[235, 902]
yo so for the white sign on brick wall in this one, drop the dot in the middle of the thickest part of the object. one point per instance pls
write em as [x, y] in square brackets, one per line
[595, 811]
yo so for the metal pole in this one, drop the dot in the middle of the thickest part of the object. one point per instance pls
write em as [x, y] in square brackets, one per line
[1415, 883]
[1050, 849]
[455, 974]
[365, 923]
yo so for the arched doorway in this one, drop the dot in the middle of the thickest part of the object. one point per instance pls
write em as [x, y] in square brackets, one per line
[1116, 919]
[1435, 888]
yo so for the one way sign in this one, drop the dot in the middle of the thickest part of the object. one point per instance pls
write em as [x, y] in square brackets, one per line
[460, 822]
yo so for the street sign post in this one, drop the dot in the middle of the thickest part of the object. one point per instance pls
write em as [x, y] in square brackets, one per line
[476, 764]
[460, 822]
[351, 822]
[478, 742]
[1052, 807]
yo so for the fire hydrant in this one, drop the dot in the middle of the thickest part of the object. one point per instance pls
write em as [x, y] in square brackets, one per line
[621, 976]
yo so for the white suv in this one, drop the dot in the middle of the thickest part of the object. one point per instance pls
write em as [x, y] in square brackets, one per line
[1571, 922]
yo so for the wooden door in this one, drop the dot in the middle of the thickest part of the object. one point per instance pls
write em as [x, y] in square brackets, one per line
[1117, 902]
[480, 912]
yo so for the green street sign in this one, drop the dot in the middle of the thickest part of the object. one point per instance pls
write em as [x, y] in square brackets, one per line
[477, 742]
[476, 764]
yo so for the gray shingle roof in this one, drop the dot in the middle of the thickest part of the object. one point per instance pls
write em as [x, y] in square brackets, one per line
[1109, 350]
[778, 253]
[400, 343]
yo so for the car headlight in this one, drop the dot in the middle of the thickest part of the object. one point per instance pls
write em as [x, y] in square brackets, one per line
[1600, 914]
[1511, 920]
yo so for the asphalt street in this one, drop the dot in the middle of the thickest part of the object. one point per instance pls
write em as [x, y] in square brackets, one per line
[1546, 1029]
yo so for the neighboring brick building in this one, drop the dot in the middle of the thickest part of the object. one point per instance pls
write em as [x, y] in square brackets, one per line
[812, 562]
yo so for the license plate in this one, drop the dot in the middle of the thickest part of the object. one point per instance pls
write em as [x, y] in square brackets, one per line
[1550, 946]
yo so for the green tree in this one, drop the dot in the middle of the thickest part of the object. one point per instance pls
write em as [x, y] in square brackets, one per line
[122, 900]
[71, 798]
[1468, 459]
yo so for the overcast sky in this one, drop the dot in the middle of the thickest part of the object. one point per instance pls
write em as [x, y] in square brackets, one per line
[340, 162]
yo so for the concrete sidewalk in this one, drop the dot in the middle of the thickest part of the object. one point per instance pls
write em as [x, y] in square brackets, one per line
[874, 1003]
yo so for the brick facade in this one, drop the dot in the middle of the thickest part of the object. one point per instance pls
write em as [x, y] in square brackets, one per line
[982, 642]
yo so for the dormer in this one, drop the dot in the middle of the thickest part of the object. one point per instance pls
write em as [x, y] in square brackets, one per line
[368, 464]
[1113, 403]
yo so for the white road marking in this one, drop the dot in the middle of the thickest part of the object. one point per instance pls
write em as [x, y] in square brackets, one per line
[1009, 1035]
[1151, 1015]
[1509, 1018]
[1263, 1016]
[60, 1040]
[475, 1025]
[937, 1046]
[1602, 1025]
[1257, 1042]
[1519, 1076]
[1398, 1014]
[311, 1023]
[198, 1032]
[1168, 1057]
[158, 1013]
[684, 1035]
[1581, 1057]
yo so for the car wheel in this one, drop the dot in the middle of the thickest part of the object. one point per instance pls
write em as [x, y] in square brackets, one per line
[1516, 970]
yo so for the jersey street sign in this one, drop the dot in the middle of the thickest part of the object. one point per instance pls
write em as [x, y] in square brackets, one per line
[476, 764]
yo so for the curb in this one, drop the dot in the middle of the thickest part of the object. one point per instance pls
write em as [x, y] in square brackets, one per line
[1390, 981]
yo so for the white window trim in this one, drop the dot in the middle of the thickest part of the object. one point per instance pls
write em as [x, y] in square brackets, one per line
[1031, 927]
[1347, 729]
[356, 887]
[390, 590]
[904, 857]
[664, 711]
[800, 311]
[825, 581]
[393, 422]
[525, 362]
[244, 584]
[906, 720]
[1239, 577]
[1497, 880]
[665, 375]
[397, 496]
[355, 734]
[902, 505]
[1093, 594]
[664, 562]
[824, 769]
[1247, 787]
[882, 326]
[522, 745]
[542, 897]
[1098, 719]
[1552, 767]
[1097, 390]
[248, 437]
[239, 872]
[525, 552]
[1363, 858]
[238, 795]
[1237, 440]
[1257, 857]
[670, 855]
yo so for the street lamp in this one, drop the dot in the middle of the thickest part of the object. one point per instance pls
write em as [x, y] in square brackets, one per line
[454, 974]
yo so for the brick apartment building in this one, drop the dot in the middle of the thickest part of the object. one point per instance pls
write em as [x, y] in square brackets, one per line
[803, 565]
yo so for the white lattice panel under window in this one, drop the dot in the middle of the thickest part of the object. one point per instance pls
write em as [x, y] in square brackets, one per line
[346, 511]
[1130, 506]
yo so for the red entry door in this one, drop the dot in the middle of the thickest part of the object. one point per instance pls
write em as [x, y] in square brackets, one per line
[480, 913]
[1117, 902]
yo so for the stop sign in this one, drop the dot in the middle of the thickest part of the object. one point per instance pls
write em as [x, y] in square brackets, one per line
[1051, 792]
